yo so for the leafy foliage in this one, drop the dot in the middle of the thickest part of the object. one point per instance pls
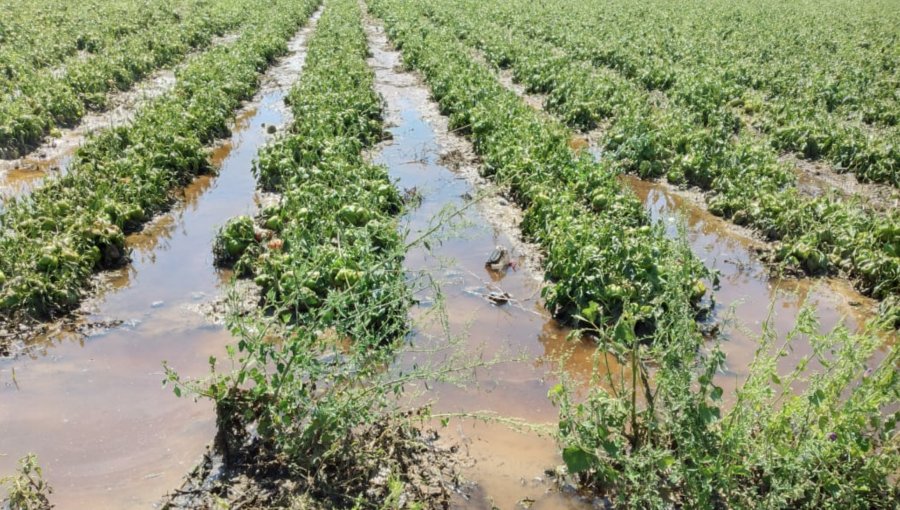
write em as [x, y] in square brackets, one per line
[26, 490]
[54, 239]
[824, 435]
[601, 250]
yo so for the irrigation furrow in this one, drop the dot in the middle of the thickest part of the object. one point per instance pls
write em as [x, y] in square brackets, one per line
[858, 242]
[73, 226]
[425, 154]
[88, 402]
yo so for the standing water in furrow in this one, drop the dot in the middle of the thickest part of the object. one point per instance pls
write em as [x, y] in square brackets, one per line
[89, 402]
[749, 297]
[54, 239]
[491, 311]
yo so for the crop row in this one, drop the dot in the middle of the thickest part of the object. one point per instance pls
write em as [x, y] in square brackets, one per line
[321, 400]
[331, 244]
[36, 100]
[41, 33]
[812, 100]
[54, 239]
[746, 183]
[603, 256]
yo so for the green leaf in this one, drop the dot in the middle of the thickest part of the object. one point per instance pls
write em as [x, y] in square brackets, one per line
[556, 391]
[577, 459]
[817, 398]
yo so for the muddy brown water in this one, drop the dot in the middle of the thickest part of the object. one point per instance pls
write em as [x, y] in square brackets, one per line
[109, 436]
[749, 296]
[508, 466]
[92, 407]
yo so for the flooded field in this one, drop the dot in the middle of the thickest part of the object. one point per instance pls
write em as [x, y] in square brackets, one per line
[87, 395]
[92, 406]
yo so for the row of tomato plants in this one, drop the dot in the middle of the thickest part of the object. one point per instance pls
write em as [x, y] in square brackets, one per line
[328, 259]
[775, 48]
[746, 183]
[38, 100]
[52, 240]
[332, 232]
[810, 117]
[42, 33]
[603, 255]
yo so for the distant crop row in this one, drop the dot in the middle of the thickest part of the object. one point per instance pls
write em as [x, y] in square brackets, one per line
[816, 82]
[88, 51]
[54, 239]
[745, 181]
[603, 257]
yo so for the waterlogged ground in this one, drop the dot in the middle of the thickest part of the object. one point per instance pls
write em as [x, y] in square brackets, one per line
[750, 298]
[508, 466]
[92, 406]
[109, 436]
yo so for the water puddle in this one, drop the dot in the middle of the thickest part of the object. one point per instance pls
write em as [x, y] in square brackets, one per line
[22, 175]
[746, 284]
[816, 178]
[508, 466]
[91, 406]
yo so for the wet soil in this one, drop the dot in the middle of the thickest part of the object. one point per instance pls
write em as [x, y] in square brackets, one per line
[507, 466]
[816, 178]
[89, 402]
[21, 175]
[256, 480]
